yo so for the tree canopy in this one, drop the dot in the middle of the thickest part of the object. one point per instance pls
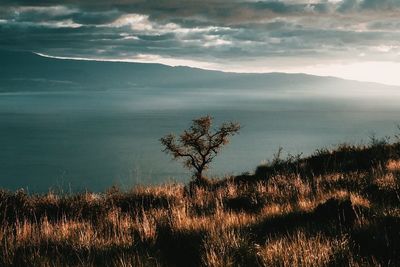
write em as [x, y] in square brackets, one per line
[200, 144]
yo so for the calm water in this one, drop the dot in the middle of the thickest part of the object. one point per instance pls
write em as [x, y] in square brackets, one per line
[93, 140]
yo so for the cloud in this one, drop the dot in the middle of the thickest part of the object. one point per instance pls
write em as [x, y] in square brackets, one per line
[380, 4]
[96, 18]
[348, 5]
[368, 5]
[221, 32]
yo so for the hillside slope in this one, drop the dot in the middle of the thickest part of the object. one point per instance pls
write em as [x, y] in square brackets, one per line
[346, 215]
[25, 71]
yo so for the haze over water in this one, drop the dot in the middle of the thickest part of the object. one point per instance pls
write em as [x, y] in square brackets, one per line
[73, 116]
[93, 140]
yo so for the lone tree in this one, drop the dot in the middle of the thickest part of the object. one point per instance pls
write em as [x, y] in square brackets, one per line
[198, 145]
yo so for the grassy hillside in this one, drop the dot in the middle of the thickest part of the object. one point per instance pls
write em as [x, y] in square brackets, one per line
[335, 208]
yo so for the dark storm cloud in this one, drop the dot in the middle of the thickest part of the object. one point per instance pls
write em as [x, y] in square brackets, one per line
[208, 30]
[348, 5]
[379, 5]
[211, 11]
[95, 18]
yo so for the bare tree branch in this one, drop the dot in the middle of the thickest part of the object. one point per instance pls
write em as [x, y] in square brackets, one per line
[197, 146]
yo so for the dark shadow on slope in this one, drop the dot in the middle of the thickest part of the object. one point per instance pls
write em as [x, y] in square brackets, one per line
[179, 247]
[380, 239]
[336, 213]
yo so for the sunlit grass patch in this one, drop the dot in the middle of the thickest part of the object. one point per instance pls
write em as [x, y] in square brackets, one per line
[303, 249]
[393, 165]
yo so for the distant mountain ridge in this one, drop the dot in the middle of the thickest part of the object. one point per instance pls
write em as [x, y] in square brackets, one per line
[26, 71]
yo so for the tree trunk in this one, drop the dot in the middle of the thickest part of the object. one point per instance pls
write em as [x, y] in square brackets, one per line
[200, 179]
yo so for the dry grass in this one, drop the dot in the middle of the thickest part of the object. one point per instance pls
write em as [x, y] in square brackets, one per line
[303, 249]
[291, 219]
[393, 165]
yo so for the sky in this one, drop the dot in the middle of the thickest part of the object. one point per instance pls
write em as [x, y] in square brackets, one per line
[353, 39]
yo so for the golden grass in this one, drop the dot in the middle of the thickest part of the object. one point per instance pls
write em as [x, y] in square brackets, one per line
[302, 249]
[126, 228]
[393, 165]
